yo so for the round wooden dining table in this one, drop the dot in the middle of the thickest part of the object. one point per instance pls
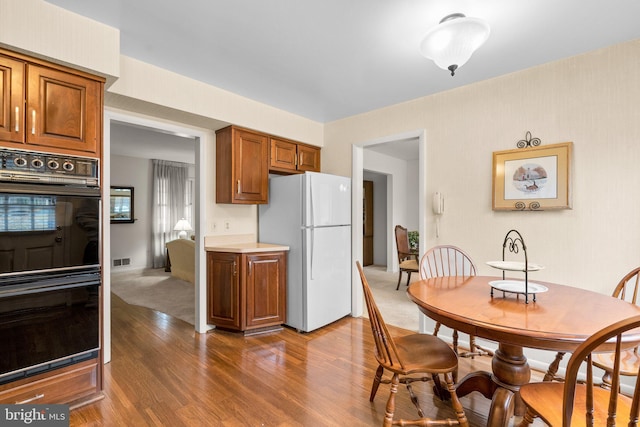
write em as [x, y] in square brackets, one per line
[560, 319]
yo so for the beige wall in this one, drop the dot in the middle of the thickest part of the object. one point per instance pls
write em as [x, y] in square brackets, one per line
[591, 100]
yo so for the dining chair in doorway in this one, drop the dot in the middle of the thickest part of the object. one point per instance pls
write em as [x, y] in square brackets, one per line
[577, 402]
[410, 358]
[407, 260]
[448, 260]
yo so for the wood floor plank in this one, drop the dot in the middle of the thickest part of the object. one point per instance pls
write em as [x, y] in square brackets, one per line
[162, 373]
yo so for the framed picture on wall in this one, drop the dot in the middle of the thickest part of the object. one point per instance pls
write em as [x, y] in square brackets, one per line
[536, 178]
[121, 205]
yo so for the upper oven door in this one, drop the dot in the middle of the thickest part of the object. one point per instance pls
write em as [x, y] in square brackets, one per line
[48, 227]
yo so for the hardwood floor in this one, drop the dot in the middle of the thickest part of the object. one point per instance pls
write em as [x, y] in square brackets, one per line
[162, 373]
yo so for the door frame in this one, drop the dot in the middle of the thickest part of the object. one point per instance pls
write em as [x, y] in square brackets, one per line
[202, 139]
[357, 163]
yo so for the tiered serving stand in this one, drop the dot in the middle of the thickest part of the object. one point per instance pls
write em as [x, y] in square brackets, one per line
[513, 241]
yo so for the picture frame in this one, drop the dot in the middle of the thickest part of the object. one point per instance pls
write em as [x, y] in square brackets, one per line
[534, 178]
[121, 205]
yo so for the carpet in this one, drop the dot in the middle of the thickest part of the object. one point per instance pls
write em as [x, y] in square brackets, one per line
[395, 306]
[158, 290]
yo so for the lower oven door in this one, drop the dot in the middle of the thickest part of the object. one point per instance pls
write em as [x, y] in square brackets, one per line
[43, 328]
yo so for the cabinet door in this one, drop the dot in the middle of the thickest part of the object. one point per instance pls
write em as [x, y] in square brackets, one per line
[308, 158]
[223, 290]
[12, 100]
[64, 111]
[251, 167]
[266, 287]
[284, 156]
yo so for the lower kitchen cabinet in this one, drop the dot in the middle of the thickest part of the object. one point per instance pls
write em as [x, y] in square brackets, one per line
[75, 385]
[246, 291]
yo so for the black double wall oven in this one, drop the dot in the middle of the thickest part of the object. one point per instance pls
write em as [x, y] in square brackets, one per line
[50, 279]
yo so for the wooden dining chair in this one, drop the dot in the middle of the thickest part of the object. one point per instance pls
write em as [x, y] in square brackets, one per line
[407, 261]
[447, 260]
[581, 403]
[627, 290]
[410, 358]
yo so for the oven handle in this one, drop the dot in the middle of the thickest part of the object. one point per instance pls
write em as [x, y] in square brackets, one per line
[4, 293]
[49, 189]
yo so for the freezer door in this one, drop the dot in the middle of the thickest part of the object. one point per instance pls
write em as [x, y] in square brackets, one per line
[327, 290]
[327, 200]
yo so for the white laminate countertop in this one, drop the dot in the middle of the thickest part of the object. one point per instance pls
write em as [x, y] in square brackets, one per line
[245, 247]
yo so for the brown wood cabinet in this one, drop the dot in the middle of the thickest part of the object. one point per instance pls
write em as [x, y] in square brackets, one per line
[46, 107]
[72, 385]
[293, 157]
[242, 166]
[246, 291]
[244, 159]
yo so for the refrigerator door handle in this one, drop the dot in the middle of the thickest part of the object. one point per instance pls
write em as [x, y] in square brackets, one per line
[312, 246]
[312, 216]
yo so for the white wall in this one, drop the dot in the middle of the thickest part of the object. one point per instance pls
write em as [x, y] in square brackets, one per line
[402, 204]
[132, 240]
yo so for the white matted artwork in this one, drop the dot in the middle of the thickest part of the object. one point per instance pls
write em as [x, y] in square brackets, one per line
[536, 178]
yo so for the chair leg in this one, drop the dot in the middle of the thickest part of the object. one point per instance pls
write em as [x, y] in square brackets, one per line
[455, 341]
[399, 279]
[391, 403]
[376, 382]
[436, 329]
[408, 277]
[455, 401]
[527, 419]
[553, 368]
[606, 380]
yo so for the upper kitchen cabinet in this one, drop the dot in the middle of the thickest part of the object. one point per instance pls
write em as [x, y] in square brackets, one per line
[293, 157]
[242, 166]
[12, 96]
[49, 108]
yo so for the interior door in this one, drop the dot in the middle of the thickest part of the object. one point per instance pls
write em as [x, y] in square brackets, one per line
[367, 222]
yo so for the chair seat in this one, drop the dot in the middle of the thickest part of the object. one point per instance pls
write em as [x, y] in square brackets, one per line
[629, 362]
[547, 397]
[409, 264]
[424, 352]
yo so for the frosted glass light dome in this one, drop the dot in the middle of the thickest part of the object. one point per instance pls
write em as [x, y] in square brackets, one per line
[451, 43]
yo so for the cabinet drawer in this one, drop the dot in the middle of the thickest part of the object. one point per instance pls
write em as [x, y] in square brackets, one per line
[61, 386]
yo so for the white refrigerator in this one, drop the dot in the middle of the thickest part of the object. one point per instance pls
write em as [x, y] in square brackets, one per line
[311, 213]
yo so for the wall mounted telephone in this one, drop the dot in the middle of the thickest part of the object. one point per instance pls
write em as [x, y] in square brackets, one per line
[438, 203]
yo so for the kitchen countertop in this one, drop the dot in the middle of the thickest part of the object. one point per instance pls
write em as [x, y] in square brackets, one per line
[245, 247]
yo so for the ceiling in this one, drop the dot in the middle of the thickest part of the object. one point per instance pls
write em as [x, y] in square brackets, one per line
[146, 143]
[330, 59]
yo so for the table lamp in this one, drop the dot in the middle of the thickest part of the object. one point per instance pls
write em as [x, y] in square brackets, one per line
[182, 226]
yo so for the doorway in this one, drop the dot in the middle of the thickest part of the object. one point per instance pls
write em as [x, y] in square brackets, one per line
[396, 189]
[202, 139]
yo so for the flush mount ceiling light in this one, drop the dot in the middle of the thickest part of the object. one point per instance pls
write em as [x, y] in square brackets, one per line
[451, 43]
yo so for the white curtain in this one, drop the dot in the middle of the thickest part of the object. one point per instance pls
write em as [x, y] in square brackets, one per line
[169, 205]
